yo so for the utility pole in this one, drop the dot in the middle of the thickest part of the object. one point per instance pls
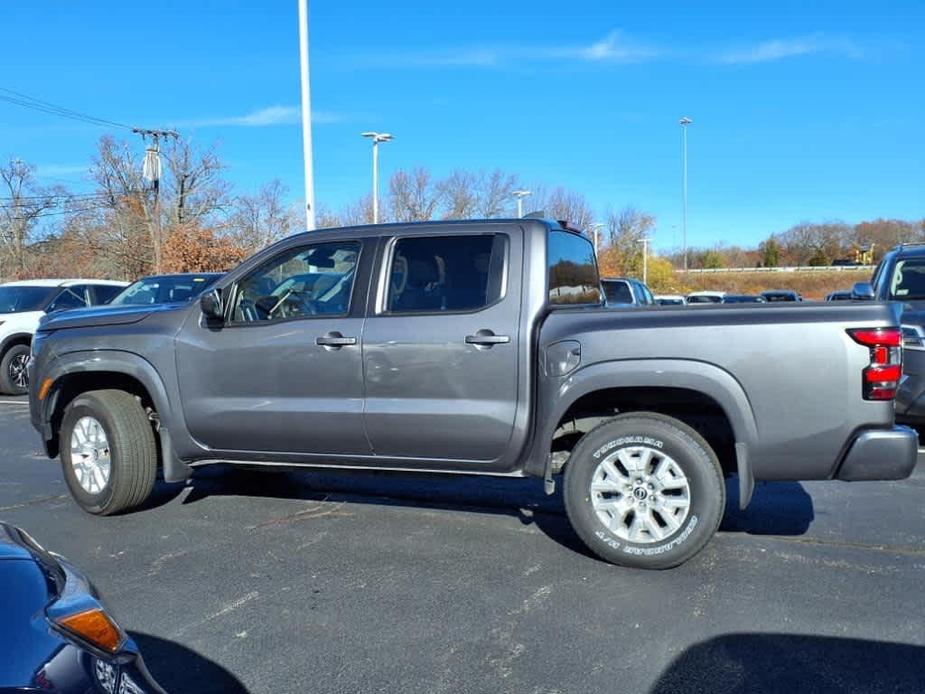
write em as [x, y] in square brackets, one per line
[307, 159]
[684, 122]
[520, 195]
[151, 171]
[376, 138]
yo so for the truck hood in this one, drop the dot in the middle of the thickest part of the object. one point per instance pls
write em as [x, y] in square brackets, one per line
[102, 315]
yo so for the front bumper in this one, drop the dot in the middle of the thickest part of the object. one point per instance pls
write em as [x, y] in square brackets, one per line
[880, 454]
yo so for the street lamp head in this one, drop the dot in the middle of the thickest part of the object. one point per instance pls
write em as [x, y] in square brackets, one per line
[520, 193]
[685, 121]
[378, 137]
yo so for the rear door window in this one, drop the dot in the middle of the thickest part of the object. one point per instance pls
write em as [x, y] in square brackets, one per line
[445, 274]
[573, 276]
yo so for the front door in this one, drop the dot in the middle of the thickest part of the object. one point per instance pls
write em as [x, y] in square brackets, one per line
[441, 348]
[283, 373]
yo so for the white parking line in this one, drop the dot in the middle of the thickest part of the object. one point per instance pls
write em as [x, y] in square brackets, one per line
[14, 402]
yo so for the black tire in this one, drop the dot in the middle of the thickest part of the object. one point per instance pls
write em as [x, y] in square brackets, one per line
[689, 451]
[12, 359]
[132, 450]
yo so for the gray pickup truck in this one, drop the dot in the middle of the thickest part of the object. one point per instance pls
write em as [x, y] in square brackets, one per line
[477, 347]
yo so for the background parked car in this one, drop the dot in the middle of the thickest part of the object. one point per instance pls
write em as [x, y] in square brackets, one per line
[900, 277]
[706, 297]
[743, 299]
[166, 289]
[841, 295]
[55, 633]
[23, 303]
[670, 300]
[773, 295]
[625, 291]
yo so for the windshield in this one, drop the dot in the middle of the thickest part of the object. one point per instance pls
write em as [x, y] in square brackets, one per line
[164, 290]
[908, 282]
[24, 298]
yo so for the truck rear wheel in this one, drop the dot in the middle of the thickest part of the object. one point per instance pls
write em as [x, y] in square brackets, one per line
[644, 490]
[108, 452]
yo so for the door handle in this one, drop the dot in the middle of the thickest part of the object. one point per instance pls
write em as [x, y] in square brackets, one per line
[334, 340]
[486, 338]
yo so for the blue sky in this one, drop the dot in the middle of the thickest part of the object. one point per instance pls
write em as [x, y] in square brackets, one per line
[801, 112]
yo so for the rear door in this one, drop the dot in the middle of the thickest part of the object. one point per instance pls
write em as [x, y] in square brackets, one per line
[440, 347]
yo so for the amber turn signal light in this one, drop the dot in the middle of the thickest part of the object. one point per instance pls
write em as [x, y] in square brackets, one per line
[43, 390]
[95, 627]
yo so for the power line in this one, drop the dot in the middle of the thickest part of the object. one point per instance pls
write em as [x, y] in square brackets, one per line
[31, 102]
[60, 212]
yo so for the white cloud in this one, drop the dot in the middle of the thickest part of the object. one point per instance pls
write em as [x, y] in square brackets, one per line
[264, 117]
[780, 49]
[615, 48]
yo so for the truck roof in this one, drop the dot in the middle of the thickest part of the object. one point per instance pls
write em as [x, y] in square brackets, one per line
[61, 283]
[528, 222]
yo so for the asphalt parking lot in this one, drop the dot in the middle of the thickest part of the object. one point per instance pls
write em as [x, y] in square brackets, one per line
[375, 583]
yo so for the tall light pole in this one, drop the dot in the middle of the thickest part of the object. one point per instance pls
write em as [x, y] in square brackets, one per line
[376, 138]
[595, 229]
[645, 258]
[520, 195]
[306, 117]
[684, 122]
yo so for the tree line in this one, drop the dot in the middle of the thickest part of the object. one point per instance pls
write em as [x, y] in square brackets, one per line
[811, 244]
[198, 221]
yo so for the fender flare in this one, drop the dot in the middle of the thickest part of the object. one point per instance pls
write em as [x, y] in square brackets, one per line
[128, 364]
[689, 374]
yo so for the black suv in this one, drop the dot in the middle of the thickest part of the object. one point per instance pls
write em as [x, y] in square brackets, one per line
[900, 277]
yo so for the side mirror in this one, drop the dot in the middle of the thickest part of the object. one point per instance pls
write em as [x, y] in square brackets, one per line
[862, 291]
[211, 305]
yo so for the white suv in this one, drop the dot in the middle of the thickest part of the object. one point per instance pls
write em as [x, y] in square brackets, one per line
[23, 303]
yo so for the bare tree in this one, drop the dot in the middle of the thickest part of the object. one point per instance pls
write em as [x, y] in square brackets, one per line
[413, 197]
[459, 195]
[127, 222]
[563, 204]
[195, 188]
[260, 219]
[22, 203]
[495, 191]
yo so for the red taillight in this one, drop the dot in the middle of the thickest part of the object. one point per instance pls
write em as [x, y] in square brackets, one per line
[881, 378]
[874, 337]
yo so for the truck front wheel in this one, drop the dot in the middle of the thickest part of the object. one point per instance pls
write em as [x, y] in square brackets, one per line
[108, 452]
[644, 490]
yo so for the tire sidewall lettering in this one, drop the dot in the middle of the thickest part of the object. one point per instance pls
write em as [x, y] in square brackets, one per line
[627, 441]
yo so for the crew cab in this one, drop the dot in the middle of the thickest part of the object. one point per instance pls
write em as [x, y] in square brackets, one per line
[23, 303]
[477, 347]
